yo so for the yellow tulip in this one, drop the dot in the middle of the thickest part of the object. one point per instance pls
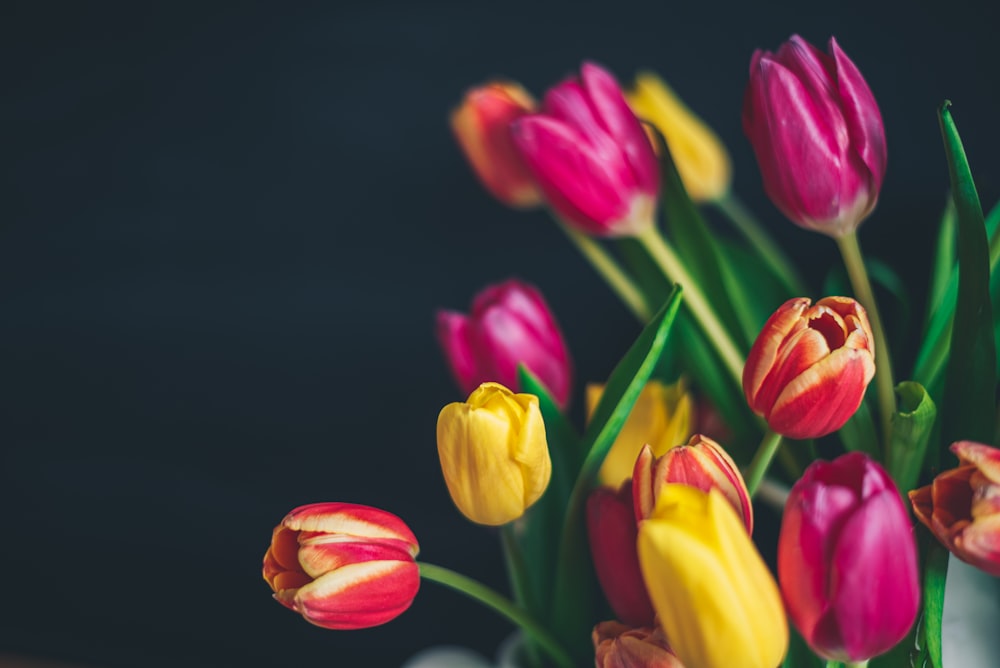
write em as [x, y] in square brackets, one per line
[701, 158]
[661, 417]
[716, 600]
[493, 452]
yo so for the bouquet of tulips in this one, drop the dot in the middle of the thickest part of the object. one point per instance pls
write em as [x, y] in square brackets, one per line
[628, 539]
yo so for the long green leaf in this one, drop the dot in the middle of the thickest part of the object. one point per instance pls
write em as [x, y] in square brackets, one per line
[912, 427]
[935, 573]
[944, 261]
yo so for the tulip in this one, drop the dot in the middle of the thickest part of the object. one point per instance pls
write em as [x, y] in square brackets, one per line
[817, 134]
[847, 559]
[510, 324]
[700, 157]
[715, 598]
[612, 530]
[481, 125]
[493, 454]
[591, 156]
[807, 372]
[702, 463]
[343, 565]
[961, 506]
[619, 646]
[661, 417]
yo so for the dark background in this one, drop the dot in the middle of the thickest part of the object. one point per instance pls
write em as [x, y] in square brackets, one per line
[226, 228]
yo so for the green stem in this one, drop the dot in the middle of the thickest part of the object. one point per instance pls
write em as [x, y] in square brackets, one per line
[695, 300]
[856, 664]
[762, 460]
[850, 250]
[748, 226]
[613, 274]
[501, 605]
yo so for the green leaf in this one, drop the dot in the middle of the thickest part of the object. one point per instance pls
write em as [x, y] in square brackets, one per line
[912, 426]
[944, 260]
[799, 655]
[970, 380]
[935, 574]
[859, 433]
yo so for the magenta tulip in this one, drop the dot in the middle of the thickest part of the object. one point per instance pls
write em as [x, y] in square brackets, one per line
[817, 133]
[847, 559]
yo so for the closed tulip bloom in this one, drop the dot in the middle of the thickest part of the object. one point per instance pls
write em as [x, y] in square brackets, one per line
[807, 372]
[661, 417]
[342, 565]
[961, 506]
[713, 594]
[702, 463]
[817, 133]
[700, 157]
[493, 453]
[847, 560]
[509, 324]
[619, 646]
[591, 156]
[481, 124]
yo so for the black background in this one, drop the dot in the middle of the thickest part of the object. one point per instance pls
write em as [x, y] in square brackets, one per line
[226, 228]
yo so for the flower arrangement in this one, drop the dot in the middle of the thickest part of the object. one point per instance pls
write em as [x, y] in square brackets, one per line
[629, 539]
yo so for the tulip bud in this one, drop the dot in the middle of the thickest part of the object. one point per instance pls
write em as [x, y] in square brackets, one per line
[713, 594]
[493, 453]
[619, 646]
[481, 125]
[961, 506]
[342, 565]
[661, 416]
[510, 324]
[699, 155]
[807, 372]
[818, 136]
[847, 559]
[702, 463]
[612, 530]
[591, 156]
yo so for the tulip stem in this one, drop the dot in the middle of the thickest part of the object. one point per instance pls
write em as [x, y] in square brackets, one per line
[501, 605]
[695, 300]
[850, 250]
[612, 273]
[762, 460]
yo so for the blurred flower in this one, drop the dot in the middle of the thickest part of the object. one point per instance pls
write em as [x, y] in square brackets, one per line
[481, 125]
[702, 463]
[493, 453]
[807, 372]
[817, 133]
[962, 506]
[619, 646]
[700, 157]
[343, 565]
[714, 596]
[591, 156]
[612, 530]
[847, 560]
[510, 324]
[660, 417]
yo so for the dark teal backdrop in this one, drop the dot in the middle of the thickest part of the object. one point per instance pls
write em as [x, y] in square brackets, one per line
[225, 229]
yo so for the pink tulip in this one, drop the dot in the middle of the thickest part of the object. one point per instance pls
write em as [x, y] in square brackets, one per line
[847, 559]
[510, 324]
[591, 157]
[817, 133]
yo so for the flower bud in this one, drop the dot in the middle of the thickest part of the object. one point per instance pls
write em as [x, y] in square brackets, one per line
[713, 594]
[661, 417]
[591, 156]
[510, 324]
[343, 565]
[481, 125]
[961, 506]
[817, 133]
[493, 453]
[807, 372]
[619, 646]
[702, 463]
[700, 157]
[612, 530]
[847, 560]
